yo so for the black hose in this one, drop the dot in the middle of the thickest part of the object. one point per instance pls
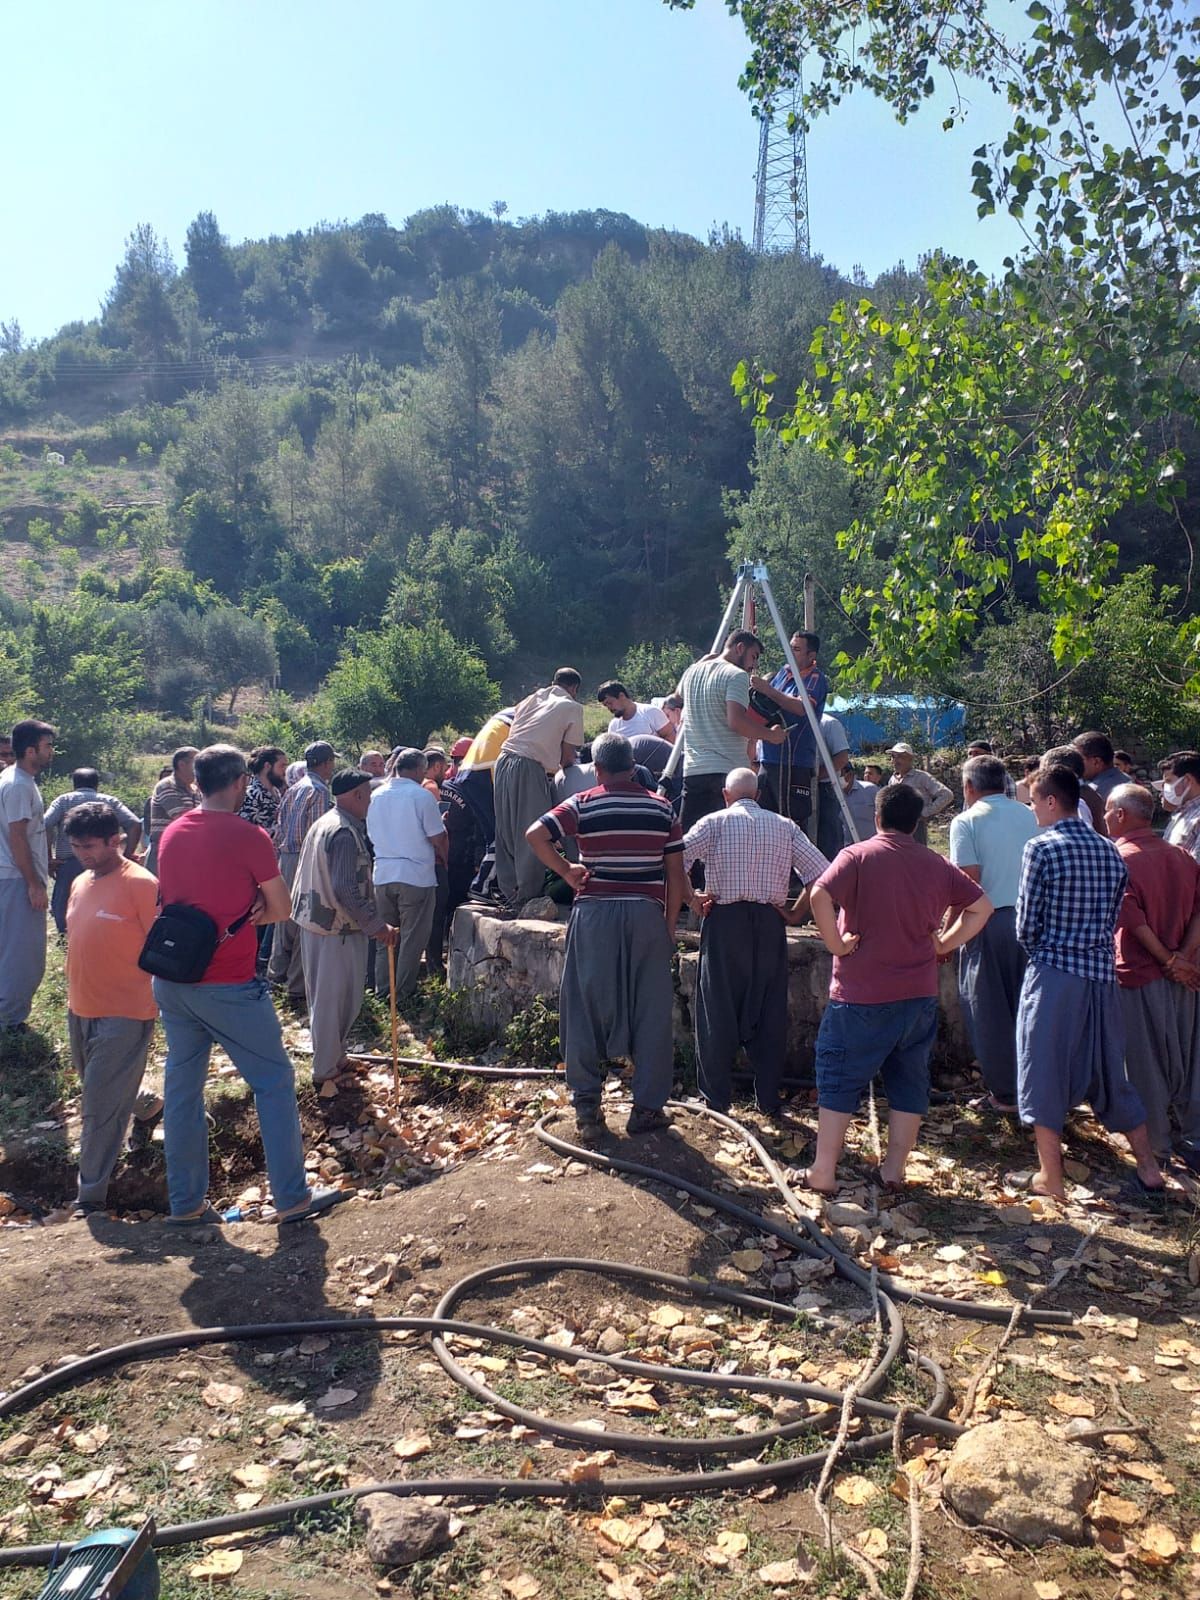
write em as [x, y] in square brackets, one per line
[442, 1326]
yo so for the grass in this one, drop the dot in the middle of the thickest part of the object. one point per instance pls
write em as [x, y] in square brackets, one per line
[35, 1067]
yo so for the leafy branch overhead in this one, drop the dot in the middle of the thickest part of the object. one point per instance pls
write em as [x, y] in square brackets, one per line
[1005, 424]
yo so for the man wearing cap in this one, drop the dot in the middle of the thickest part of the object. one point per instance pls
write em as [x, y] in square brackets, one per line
[300, 808]
[333, 905]
[934, 795]
[408, 835]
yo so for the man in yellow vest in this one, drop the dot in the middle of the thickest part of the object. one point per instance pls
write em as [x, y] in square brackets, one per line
[333, 905]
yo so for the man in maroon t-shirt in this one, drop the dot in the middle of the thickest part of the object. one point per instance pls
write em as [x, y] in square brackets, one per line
[215, 860]
[895, 897]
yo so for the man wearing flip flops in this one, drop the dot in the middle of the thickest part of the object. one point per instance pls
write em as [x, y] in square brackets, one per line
[215, 860]
[887, 909]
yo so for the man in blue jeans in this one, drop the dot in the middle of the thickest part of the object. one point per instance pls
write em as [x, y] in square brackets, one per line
[902, 907]
[215, 860]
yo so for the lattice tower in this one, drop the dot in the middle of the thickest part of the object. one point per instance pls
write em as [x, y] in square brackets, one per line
[781, 189]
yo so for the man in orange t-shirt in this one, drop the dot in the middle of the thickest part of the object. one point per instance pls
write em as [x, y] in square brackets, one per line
[110, 1004]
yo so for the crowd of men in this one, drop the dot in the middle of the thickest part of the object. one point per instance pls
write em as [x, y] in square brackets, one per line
[1075, 924]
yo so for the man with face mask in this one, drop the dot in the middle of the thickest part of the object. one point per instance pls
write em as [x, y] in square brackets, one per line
[1181, 789]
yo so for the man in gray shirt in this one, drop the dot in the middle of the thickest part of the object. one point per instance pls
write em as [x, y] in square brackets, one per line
[65, 866]
[24, 870]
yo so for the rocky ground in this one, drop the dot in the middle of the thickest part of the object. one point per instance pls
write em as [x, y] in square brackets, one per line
[452, 1178]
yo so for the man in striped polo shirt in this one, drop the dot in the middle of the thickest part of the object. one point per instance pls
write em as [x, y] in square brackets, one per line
[616, 998]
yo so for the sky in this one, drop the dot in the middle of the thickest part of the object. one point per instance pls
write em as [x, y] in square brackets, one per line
[280, 114]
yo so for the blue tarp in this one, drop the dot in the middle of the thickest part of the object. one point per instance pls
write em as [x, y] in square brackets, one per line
[880, 720]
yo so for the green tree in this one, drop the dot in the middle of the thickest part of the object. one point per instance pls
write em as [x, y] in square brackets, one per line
[239, 650]
[398, 684]
[84, 671]
[210, 271]
[139, 306]
[1004, 425]
[654, 669]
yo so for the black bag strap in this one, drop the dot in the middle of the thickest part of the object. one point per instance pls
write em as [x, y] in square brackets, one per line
[236, 927]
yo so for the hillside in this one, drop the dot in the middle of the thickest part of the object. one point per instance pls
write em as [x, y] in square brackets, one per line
[410, 468]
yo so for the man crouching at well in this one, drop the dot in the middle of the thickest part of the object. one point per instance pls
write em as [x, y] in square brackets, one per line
[616, 996]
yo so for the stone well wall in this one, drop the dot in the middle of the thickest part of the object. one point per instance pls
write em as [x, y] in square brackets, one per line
[505, 965]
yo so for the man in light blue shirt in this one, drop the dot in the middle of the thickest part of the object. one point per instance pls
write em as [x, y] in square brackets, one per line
[408, 835]
[987, 841]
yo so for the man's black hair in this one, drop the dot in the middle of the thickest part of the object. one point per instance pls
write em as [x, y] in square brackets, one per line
[1097, 745]
[1182, 764]
[898, 807]
[218, 767]
[812, 640]
[94, 819]
[742, 636]
[265, 756]
[85, 778]
[29, 734]
[1062, 782]
[612, 690]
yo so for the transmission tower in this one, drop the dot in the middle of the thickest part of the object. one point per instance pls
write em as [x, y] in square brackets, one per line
[781, 188]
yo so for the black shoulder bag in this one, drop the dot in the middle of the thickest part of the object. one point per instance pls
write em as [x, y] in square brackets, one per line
[182, 942]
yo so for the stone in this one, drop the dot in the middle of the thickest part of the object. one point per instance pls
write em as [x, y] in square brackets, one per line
[1016, 1477]
[501, 966]
[541, 909]
[849, 1215]
[401, 1531]
[611, 1342]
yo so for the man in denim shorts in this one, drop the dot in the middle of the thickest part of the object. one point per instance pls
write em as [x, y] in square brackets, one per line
[901, 907]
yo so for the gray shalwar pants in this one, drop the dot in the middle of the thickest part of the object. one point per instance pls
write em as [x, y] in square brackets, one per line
[991, 967]
[616, 998]
[109, 1056]
[286, 963]
[22, 952]
[409, 907]
[523, 793]
[1071, 1050]
[335, 974]
[1162, 1058]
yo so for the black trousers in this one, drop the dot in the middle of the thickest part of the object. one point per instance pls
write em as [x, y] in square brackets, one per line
[797, 802]
[741, 1000]
[703, 794]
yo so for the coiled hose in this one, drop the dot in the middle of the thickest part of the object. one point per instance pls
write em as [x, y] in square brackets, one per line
[442, 1325]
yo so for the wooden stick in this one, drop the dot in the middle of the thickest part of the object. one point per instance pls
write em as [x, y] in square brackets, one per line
[391, 950]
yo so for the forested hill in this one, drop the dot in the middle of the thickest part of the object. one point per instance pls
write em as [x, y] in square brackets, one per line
[363, 455]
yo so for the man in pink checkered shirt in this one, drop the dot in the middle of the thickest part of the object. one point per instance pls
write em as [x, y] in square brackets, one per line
[749, 857]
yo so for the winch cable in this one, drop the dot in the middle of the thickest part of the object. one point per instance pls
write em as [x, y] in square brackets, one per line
[441, 1326]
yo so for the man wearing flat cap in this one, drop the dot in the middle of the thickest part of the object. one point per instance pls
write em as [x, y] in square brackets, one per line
[408, 835]
[333, 905]
[935, 796]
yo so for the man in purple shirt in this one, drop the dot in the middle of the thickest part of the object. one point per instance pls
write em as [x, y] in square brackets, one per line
[901, 907]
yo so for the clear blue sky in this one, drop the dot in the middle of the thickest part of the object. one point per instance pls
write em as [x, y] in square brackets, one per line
[277, 114]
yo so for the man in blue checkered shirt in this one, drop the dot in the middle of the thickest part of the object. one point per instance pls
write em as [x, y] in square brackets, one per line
[1070, 1029]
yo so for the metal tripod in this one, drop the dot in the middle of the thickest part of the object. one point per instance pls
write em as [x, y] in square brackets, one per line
[752, 575]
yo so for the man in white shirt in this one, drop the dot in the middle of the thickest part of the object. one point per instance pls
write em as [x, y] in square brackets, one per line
[547, 729]
[24, 873]
[631, 717]
[408, 835]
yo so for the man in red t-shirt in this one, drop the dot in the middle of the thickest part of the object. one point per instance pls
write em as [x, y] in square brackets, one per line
[895, 897]
[215, 860]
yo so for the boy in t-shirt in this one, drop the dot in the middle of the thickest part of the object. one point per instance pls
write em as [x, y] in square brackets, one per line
[895, 897]
[110, 1006]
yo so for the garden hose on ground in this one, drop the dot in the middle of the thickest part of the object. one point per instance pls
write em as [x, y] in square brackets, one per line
[658, 1484]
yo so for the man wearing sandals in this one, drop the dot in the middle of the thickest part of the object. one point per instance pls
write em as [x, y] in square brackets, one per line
[902, 906]
[1070, 1031]
[215, 860]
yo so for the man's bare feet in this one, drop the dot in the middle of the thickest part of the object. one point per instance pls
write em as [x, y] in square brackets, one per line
[1041, 1183]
